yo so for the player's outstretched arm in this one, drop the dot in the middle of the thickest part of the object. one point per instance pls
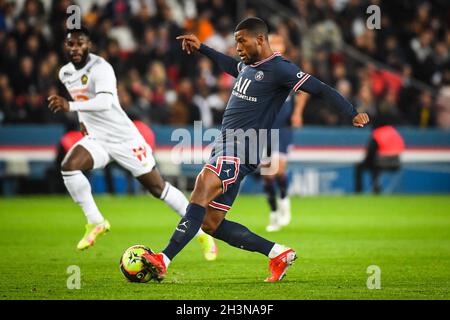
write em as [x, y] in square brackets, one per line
[318, 88]
[190, 44]
[101, 102]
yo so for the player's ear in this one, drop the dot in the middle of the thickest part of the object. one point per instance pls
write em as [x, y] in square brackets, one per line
[260, 38]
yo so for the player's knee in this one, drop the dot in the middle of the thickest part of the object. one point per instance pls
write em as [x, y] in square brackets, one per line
[204, 190]
[70, 164]
[269, 180]
[209, 226]
[212, 220]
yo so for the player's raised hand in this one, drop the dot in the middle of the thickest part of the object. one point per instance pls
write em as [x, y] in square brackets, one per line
[57, 103]
[189, 43]
[360, 120]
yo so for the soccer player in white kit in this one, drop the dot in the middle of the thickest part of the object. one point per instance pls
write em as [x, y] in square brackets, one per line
[108, 135]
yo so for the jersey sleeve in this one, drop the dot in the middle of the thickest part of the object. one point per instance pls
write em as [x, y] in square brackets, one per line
[290, 76]
[104, 79]
[226, 63]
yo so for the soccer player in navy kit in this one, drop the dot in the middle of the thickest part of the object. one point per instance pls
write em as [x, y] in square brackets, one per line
[263, 82]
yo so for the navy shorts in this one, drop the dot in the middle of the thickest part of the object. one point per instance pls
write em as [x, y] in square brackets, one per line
[231, 171]
[285, 139]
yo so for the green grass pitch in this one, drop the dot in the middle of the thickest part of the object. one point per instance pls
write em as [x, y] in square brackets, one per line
[336, 239]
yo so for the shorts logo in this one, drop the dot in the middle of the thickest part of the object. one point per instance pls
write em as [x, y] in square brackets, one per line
[84, 79]
[140, 153]
[217, 169]
[182, 224]
[300, 74]
[259, 76]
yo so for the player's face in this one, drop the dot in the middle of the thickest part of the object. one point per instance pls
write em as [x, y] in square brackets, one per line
[76, 47]
[248, 46]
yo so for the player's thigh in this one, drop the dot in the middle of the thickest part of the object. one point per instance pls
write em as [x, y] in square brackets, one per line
[213, 219]
[282, 164]
[273, 167]
[135, 156]
[153, 182]
[207, 187]
[86, 154]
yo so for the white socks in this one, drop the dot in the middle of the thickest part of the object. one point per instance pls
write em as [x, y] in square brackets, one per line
[166, 260]
[80, 190]
[176, 200]
[277, 249]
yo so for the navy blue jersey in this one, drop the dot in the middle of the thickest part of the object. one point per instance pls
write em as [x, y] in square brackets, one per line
[283, 118]
[259, 92]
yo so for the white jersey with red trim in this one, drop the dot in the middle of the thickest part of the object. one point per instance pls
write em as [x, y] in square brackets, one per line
[97, 76]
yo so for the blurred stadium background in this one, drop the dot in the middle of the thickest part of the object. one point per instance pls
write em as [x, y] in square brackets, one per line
[399, 72]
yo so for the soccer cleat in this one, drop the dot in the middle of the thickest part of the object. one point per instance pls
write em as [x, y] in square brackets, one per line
[208, 245]
[155, 263]
[279, 265]
[92, 232]
[285, 212]
[274, 224]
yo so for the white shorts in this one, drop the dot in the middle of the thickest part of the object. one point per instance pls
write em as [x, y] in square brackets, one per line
[135, 155]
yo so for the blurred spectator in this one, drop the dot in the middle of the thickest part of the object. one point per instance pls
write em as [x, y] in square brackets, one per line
[443, 103]
[183, 110]
[161, 84]
[26, 78]
[223, 37]
[365, 101]
[11, 112]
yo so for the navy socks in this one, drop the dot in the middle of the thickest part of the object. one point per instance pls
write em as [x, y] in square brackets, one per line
[269, 188]
[282, 185]
[239, 236]
[186, 230]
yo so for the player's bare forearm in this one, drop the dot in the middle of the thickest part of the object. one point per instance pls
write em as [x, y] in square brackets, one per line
[57, 103]
[299, 106]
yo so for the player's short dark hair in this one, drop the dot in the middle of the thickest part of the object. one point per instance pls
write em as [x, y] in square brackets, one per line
[82, 30]
[254, 25]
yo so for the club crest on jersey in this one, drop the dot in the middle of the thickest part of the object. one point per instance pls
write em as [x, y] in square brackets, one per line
[84, 79]
[259, 75]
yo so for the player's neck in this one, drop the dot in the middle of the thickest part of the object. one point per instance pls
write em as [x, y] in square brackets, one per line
[82, 64]
[265, 53]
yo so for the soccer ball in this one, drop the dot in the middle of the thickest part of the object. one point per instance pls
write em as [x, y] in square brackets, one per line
[131, 264]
